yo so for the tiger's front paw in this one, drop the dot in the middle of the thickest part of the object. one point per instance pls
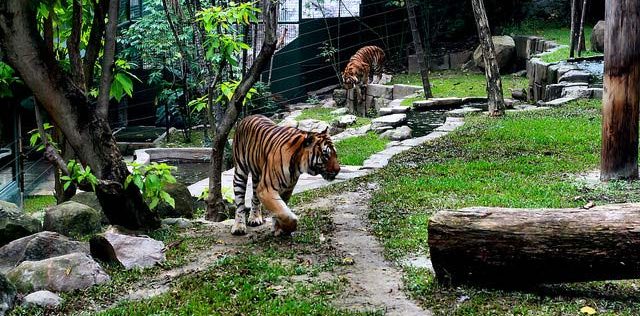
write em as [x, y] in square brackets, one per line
[239, 229]
[284, 227]
[255, 220]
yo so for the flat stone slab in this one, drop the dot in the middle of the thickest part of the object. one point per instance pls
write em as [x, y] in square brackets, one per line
[380, 91]
[423, 139]
[575, 76]
[392, 120]
[462, 112]
[393, 110]
[395, 103]
[401, 91]
[558, 102]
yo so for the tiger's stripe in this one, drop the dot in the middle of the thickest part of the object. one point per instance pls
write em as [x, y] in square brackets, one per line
[361, 64]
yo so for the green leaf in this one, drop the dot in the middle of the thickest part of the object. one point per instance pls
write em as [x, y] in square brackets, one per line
[66, 185]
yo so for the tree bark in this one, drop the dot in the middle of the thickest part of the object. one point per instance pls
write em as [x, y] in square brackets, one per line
[581, 40]
[108, 58]
[521, 247]
[215, 203]
[417, 42]
[87, 132]
[619, 155]
[574, 27]
[491, 70]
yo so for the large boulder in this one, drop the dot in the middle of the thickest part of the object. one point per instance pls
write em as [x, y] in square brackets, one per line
[397, 134]
[130, 251]
[597, 37]
[7, 295]
[505, 48]
[44, 299]
[76, 271]
[184, 204]
[15, 224]
[311, 125]
[90, 199]
[390, 121]
[72, 219]
[36, 247]
[345, 120]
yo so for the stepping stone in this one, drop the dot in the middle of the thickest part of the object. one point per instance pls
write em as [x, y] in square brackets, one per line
[392, 120]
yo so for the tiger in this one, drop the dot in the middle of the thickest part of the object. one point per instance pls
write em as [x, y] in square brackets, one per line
[360, 64]
[276, 156]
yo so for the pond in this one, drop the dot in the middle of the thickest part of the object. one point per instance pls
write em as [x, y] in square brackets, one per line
[423, 123]
[188, 172]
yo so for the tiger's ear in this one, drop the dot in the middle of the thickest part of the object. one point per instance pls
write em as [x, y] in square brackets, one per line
[308, 140]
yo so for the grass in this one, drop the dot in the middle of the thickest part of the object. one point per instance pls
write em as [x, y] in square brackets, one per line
[354, 151]
[36, 203]
[456, 83]
[526, 159]
[324, 114]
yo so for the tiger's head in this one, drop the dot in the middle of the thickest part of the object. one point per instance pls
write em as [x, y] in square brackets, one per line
[320, 156]
[352, 73]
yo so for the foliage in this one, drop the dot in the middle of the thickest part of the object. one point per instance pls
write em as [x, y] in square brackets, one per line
[122, 84]
[35, 203]
[151, 179]
[7, 80]
[77, 175]
[227, 89]
[227, 194]
[263, 101]
[35, 138]
[354, 151]
[324, 114]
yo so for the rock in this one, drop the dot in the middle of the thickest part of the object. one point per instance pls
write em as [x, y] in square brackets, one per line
[440, 62]
[401, 91]
[437, 103]
[7, 295]
[393, 110]
[36, 247]
[458, 59]
[76, 271]
[397, 134]
[576, 92]
[596, 93]
[43, 299]
[15, 224]
[177, 222]
[72, 219]
[385, 78]
[392, 120]
[461, 112]
[130, 251]
[183, 202]
[329, 103]
[289, 122]
[412, 64]
[345, 120]
[597, 37]
[90, 199]
[382, 129]
[379, 103]
[505, 48]
[340, 96]
[575, 76]
[519, 94]
[340, 111]
[311, 125]
[558, 102]
[380, 91]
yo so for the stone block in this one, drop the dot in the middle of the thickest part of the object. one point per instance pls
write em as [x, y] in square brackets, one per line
[380, 91]
[401, 91]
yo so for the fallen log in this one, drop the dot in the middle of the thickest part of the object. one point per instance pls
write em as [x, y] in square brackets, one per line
[521, 247]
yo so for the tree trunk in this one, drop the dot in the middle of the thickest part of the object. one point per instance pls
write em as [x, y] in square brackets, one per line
[575, 4]
[417, 42]
[87, 132]
[522, 247]
[619, 156]
[581, 40]
[215, 203]
[491, 70]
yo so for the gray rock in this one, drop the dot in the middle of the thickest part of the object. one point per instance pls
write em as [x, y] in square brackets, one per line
[329, 103]
[76, 271]
[385, 78]
[184, 204]
[562, 70]
[575, 76]
[15, 224]
[289, 122]
[130, 251]
[393, 110]
[596, 93]
[461, 112]
[36, 247]
[311, 125]
[380, 91]
[43, 299]
[345, 120]
[458, 59]
[72, 219]
[392, 120]
[177, 222]
[505, 48]
[90, 199]
[7, 295]
[379, 103]
[382, 129]
[340, 111]
[401, 91]
[340, 96]
[558, 102]
[397, 134]
[597, 37]
[576, 92]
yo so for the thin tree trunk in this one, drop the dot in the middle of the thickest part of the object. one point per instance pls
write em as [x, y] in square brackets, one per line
[417, 42]
[581, 40]
[575, 32]
[491, 70]
[619, 156]
[108, 58]
[215, 203]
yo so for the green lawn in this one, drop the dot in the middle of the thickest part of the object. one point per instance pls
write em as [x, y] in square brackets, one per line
[526, 159]
[36, 203]
[324, 114]
[456, 83]
[354, 151]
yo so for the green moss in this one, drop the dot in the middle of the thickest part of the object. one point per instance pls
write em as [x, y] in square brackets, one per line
[354, 151]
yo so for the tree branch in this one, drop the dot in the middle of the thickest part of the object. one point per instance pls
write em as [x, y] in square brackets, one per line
[108, 58]
[73, 45]
[95, 38]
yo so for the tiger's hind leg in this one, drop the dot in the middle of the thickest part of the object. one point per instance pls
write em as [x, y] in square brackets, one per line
[255, 216]
[239, 189]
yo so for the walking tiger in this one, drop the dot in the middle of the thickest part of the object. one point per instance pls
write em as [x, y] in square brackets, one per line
[360, 64]
[276, 156]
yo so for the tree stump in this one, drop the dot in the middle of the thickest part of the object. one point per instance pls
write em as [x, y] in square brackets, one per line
[522, 247]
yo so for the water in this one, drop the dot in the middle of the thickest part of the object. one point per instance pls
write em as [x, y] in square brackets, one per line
[188, 172]
[595, 67]
[423, 123]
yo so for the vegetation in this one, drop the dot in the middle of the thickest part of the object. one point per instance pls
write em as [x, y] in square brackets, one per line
[527, 159]
[36, 203]
[324, 114]
[354, 151]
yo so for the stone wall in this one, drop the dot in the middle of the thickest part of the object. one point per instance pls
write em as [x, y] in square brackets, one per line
[378, 96]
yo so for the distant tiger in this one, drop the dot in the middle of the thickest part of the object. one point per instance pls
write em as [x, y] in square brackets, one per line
[276, 156]
[359, 67]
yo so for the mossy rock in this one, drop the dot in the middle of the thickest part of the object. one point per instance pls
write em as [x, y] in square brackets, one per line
[90, 199]
[7, 295]
[73, 219]
[183, 202]
[15, 224]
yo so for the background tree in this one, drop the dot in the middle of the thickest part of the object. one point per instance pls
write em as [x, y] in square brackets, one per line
[491, 70]
[417, 43]
[27, 37]
[619, 156]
